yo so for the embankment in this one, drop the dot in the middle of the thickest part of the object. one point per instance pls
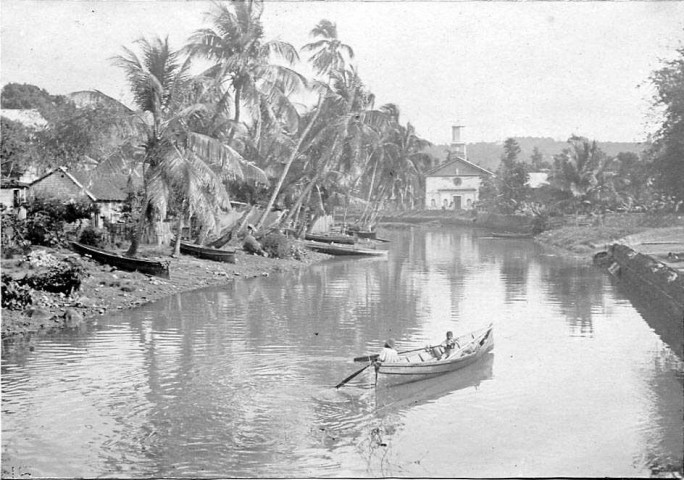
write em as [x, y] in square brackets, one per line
[105, 289]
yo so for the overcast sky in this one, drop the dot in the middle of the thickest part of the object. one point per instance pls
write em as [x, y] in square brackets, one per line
[499, 68]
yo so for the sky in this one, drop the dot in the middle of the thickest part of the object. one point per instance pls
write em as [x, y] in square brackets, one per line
[500, 69]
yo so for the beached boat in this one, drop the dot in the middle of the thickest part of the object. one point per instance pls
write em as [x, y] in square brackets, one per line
[511, 235]
[208, 253]
[419, 365]
[327, 238]
[335, 249]
[150, 267]
[371, 235]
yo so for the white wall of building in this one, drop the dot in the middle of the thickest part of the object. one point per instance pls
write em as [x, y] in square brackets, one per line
[440, 192]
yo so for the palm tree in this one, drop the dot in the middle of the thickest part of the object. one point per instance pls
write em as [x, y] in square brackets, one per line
[399, 165]
[331, 55]
[328, 60]
[582, 173]
[234, 42]
[180, 163]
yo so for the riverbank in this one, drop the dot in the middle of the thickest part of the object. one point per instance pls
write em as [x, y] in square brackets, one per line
[105, 289]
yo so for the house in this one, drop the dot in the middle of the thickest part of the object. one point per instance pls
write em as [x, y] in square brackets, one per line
[107, 189]
[12, 193]
[454, 184]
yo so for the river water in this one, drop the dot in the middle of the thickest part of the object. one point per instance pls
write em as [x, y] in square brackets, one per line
[238, 381]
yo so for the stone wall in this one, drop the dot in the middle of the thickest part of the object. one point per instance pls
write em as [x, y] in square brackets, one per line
[648, 274]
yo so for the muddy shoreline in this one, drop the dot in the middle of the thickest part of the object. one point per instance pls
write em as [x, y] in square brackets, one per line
[105, 289]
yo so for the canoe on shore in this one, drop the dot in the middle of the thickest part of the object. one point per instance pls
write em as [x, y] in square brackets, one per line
[130, 264]
[511, 235]
[351, 250]
[419, 365]
[208, 253]
[323, 238]
[371, 235]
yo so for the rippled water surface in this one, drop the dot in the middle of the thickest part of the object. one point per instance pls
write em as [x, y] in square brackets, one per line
[238, 380]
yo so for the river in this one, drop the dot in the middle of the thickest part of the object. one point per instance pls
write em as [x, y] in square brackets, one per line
[238, 381]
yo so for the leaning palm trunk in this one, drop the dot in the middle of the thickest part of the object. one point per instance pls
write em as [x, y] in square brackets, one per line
[293, 155]
[300, 200]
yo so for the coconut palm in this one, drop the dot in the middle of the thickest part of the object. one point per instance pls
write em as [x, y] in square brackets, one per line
[181, 164]
[329, 54]
[242, 60]
[400, 166]
[328, 60]
[582, 173]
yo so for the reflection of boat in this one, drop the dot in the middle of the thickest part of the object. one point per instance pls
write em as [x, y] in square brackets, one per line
[209, 253]
[333, 249]
[419, 365]
[343, 239]
[511, 235]
[151, 267]
[429, 390]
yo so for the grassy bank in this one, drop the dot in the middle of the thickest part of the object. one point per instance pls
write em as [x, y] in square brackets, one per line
[578, 237]
[105, 289]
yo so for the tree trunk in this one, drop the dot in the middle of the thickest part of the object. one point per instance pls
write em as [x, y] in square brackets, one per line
[179, 234]
[293, 155]
[138, 232]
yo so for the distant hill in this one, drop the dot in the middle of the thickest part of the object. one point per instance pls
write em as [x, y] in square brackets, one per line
[488, 154]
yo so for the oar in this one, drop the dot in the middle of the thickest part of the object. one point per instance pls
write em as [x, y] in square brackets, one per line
[351, 376]
[370, 358]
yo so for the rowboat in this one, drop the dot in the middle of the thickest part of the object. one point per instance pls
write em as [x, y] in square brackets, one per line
[409, 395]
[419, 365]
[334, 249]
[150, 267]
[343, 239]
[208, 253]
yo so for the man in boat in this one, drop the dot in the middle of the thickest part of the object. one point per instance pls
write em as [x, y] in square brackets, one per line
[447, 345]
[388, 353]
[250, 244]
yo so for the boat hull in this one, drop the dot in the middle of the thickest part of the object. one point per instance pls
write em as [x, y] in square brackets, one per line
[422, 365]
[349, 250]
[341, 239]
[150, 267]
[208, 253]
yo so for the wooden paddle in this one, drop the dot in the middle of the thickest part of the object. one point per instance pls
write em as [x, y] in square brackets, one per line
[352, 376]
[370, 358]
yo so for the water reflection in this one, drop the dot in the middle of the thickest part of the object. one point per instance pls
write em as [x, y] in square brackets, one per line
[237, 380]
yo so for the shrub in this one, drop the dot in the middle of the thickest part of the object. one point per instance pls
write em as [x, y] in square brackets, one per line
[276, 245]
[15, 296]
[92, 236]
[13, 235]
[65, 277]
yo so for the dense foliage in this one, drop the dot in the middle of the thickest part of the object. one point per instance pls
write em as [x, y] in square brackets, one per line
[668, 148]
[15, 295]
[277, 245]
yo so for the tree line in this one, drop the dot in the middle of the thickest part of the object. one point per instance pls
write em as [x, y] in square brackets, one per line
[233, 128]
[584, 179]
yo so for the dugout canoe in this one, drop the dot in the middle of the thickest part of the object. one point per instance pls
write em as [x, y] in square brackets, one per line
[413, 366]
[130, 264]
[368, 234]
[208, 253]
[349, 250]
[342, 239]
[511, 235]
